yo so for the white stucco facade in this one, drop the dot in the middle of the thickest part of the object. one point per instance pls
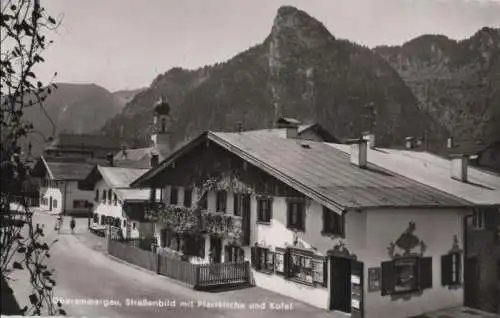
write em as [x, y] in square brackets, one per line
[436, 228]
[368, 235]
[66, 197]
[110, 208]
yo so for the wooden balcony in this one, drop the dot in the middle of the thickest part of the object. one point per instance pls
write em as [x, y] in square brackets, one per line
[196, 221]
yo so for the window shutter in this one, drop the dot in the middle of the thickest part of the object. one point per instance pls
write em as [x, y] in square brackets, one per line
[288, 214]
[388, 278]
[236, 205]
[426, 272]
[163, 237]
[201, 240]
[325, 272]
[446, 270]
[227, 253]
[254, 256]
[490, 219]
[459, 268]
[325, 220]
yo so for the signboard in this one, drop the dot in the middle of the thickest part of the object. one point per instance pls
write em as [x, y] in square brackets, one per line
[355, 279]
[357, 269]
[374, 275]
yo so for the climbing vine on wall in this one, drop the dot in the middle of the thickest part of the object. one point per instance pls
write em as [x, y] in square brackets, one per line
[195, 220]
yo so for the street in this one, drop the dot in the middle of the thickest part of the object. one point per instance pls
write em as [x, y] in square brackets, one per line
[111, 288]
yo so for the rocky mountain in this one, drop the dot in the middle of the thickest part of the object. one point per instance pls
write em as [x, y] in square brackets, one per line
[72, 108]
[125, 96]
[300, 70]
[457, 82]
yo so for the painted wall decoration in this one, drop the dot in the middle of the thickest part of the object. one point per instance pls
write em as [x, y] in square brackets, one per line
[374, 279]
[407, 244]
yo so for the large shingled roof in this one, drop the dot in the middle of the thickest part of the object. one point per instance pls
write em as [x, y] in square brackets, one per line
[322, 172]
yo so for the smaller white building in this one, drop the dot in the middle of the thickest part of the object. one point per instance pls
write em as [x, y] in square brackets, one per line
[116, 204]
[60, 186]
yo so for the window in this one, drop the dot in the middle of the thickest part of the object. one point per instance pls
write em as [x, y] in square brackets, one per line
[262, 259]
[478, 219]
[450, 269]
[54, 203]
[96, 218]
[194, 245]
[134, 225]
[320, 271]
[103, 196]
[300, 266]
[237, 204]
[103, 220]
[163, 127]
[173, 196]
[234, 254]
[264, 210]
[203, 203]
[333, 223]
[96, 199]
[79, 204]
[115, 198]
[117, 222]
[406, 275]
[188, 197]
[296, 215]
[498, 271]
[221, 201]
[124, 223]
[109, 196]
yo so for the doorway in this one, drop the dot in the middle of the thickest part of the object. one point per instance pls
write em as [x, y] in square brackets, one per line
[215, 249]
[340, 284]
[50, 204]
[471, 281]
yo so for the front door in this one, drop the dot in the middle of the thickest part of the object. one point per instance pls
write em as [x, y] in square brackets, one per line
[471, 279]
[215, 249]
[340, 282]
[50, 204]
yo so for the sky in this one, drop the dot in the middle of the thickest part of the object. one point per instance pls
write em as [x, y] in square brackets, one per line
[125, 44]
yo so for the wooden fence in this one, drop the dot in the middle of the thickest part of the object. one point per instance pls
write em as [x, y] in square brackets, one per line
[199, 276]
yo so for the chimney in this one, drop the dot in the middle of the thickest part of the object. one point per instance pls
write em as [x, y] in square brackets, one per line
[291, 125]
[124, 152]
[410, 142]
[154, 160]
[359, 152]
[370, 138]
[459, 167]
[449, 143]
[109, 157]
[239, 126]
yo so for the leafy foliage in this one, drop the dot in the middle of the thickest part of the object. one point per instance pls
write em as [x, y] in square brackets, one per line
[457, 82]
[195, 220]
[22, 24]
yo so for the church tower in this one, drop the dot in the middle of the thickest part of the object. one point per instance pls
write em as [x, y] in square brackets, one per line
[161, 125]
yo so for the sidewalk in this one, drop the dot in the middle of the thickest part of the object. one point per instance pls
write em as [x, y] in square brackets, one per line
[459, 312]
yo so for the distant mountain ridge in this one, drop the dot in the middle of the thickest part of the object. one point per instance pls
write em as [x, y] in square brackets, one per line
[457, 82]
[300, 70]
[125, 96]
[71, 108]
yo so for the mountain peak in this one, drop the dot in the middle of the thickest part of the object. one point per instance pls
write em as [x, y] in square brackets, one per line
[303, 28]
